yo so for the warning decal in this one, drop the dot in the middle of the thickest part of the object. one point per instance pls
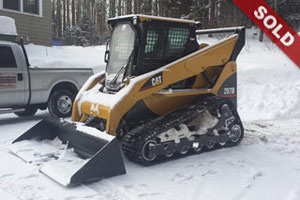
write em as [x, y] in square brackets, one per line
[8, 80]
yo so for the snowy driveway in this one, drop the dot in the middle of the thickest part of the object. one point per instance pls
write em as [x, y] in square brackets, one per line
[265, 166]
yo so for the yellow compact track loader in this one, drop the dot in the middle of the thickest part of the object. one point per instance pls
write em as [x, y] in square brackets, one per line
[162, 96]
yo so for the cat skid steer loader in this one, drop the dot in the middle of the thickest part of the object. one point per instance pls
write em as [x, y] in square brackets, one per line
[162, 96]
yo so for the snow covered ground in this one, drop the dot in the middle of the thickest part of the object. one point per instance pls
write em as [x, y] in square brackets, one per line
[266, 165]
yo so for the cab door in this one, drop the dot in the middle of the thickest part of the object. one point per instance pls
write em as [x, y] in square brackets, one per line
[12, 86]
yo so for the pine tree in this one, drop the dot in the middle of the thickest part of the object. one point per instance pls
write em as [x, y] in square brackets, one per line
[89, 30]
[75, 36]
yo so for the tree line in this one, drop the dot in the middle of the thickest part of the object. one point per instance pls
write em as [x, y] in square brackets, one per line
[83, 22]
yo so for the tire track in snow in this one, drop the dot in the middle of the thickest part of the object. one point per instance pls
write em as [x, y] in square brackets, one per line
[182, 178]
[108, 190]
[275, 137]
[250, 182]
[6, 175]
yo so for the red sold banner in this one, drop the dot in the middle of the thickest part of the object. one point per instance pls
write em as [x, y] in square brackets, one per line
[273, 26]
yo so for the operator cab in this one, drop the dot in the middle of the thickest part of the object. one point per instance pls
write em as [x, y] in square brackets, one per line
[140, 44]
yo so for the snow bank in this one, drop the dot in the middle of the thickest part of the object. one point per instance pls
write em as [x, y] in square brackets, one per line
[7, 26]
[268, 81]
[66, 57]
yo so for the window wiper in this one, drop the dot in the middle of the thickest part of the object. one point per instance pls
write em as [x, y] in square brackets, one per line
[113, 81]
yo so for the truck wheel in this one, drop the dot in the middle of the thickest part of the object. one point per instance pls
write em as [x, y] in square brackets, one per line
[29, 111]
[60, 103]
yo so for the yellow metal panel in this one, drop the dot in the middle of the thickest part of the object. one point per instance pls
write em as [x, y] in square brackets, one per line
[96, 110]
[229, 69]
[161, 104]
[75, 112]
[96, 81]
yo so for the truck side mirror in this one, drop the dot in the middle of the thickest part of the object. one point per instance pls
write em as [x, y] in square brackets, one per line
[106, 55]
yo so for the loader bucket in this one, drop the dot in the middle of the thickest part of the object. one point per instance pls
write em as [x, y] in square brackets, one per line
[85, 154]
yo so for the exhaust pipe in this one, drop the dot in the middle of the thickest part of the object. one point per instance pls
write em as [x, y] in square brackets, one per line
[95, 155]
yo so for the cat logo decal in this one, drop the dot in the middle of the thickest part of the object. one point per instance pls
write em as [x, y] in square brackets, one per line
[156, 80]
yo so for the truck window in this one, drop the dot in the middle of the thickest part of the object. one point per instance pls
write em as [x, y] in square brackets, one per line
[7, 58]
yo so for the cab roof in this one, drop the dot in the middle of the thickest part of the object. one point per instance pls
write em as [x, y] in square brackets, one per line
[148, 17]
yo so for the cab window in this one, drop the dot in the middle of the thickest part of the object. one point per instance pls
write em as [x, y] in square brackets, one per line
[7, 58]
[164, 44]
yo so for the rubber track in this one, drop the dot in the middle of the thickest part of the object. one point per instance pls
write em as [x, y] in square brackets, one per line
[134, 140]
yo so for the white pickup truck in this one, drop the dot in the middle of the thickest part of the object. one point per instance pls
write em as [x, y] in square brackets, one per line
[24, 90]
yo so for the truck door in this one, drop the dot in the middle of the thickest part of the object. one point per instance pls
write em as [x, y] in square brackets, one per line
[12, 84]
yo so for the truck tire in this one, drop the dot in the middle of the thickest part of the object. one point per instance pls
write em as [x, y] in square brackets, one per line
[29, 111]
[60, 103]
